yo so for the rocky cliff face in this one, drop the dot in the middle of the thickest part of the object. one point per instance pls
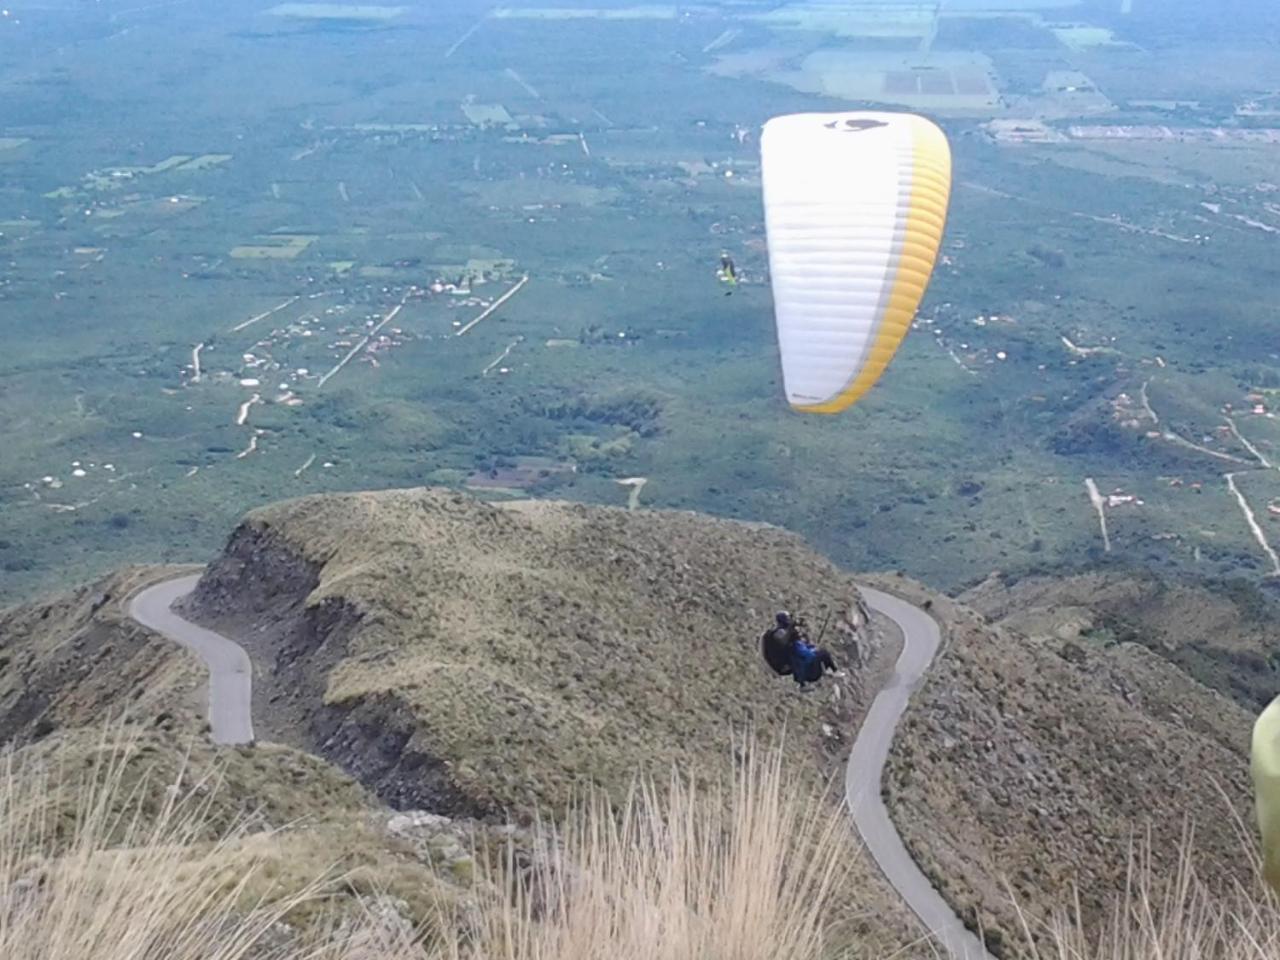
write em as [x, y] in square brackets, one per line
[258, 591]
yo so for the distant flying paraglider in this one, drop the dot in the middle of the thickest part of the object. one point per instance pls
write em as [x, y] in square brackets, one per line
[855, 205]
[728, 273]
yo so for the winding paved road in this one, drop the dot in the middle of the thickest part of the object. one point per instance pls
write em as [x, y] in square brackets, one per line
[230, 670]
[230, 678]
[920, 639]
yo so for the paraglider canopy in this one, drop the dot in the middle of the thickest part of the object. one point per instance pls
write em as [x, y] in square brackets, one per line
[855, 205]
[1264, 766]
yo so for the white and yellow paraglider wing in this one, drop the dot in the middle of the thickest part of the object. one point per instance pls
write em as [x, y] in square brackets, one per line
[855, 205]
[1264, 766]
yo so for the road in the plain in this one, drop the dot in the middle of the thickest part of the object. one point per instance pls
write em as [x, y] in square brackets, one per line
[230, 720]
[920, 639]
[230, 670]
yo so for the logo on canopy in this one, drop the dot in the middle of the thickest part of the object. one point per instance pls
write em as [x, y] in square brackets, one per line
[855, 124]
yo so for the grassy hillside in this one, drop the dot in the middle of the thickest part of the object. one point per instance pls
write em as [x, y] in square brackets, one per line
[491, 661]
[67, 659]
[100, 718]
[248, 828]
[511, 655]
[469, 663]
[1049, 760]
[462, 660]
[1221, 632]
[95, 863]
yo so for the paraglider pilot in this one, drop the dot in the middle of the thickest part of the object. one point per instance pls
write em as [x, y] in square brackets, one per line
[788, 652]
[777, 642]
[808, 662]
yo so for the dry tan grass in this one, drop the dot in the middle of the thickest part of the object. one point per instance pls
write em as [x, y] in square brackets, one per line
[92, 867]
[1176, 916]
[124, 882]
[757, 872]
[262, 789]
[749, 872]
[754, 870]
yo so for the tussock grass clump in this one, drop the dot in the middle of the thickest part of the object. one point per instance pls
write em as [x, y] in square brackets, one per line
[1169, 916]
[757, 870]
[91, 868]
